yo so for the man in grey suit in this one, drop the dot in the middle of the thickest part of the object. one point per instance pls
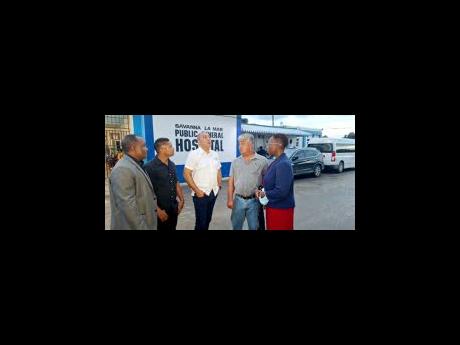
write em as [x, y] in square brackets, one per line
[132, 198]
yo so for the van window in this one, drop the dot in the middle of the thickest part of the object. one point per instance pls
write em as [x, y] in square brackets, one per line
[345, 148]
[323, 148]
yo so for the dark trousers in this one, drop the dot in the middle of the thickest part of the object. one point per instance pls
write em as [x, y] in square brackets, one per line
[170, 224]
[203, 211]
[261, 218]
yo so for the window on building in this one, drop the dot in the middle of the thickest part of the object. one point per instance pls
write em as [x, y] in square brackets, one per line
[117, 120]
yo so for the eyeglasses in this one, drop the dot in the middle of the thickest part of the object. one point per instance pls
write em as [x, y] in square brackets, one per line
[274, 144]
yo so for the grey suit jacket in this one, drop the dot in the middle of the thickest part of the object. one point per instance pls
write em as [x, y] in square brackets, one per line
[132, 198]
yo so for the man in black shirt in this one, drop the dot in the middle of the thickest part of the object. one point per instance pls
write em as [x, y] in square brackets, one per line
[162, 173]
[262, 152]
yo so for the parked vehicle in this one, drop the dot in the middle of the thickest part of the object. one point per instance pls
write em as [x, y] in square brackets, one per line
[306, 161]
[338, 154]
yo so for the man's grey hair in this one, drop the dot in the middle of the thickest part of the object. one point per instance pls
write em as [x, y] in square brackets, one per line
[200, 134]
[246, 136]
[128, 142]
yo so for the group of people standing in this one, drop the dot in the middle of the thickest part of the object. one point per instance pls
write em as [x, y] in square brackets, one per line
[149, 197]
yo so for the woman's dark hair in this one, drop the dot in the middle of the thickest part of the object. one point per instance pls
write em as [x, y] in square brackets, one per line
[282, 139]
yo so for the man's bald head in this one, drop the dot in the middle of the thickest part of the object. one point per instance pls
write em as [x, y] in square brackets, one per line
[204, 140]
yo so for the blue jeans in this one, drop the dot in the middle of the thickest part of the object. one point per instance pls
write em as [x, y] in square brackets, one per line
[245, 209]
[203, 211]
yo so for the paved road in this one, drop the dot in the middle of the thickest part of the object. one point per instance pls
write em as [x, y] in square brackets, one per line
[324, 203]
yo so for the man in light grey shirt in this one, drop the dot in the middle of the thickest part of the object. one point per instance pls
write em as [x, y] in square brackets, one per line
[245, 177]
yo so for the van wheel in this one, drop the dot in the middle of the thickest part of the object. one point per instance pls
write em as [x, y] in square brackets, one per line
[317, 172]
[340, 169]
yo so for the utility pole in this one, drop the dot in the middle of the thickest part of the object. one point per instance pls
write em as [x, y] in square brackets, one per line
[273, 120]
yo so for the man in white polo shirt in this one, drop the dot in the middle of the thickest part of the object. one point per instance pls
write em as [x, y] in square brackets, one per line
[203, 175]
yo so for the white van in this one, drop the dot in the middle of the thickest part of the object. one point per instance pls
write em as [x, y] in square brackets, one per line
[338, 154]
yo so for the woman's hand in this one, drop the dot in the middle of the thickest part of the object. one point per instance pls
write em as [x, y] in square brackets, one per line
[260, 194]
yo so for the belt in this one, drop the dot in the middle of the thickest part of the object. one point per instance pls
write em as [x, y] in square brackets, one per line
[246, 197]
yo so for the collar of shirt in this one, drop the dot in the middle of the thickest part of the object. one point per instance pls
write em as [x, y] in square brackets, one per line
[281, 157]
[158, 161]
[276, 161]
[254, 156]
[203, 152]
[141, 163]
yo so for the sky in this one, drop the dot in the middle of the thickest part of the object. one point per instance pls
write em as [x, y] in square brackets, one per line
[335, 126]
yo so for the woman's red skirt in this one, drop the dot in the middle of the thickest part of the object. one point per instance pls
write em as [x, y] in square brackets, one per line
[280, 219]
